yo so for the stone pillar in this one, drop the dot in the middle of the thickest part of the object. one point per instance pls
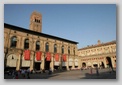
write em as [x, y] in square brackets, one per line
[98, 63]
[79, 63]
[113, 62]
[60, 62]
[43, 61]
[52, 62]
[105, 62]
[32, 61]
[67, 63]
[5, 59]
[18, 62]
[73, 63]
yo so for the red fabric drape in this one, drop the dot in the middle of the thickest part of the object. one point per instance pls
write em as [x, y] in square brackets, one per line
[48, 56]
[27, 54]
[56, 57]
[64, 58]
[38, 55]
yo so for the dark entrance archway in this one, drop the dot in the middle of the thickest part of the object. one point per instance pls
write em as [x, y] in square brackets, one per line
[56, 67]
[47, 64]
[37, 65]
[102, 65]
[83, 65]
[109, 62]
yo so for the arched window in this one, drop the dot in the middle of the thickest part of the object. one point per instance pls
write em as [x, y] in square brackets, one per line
[13, 41]
[55, 48]
[37, 45]
[74, 51]
[68, 50]
[35, 20]
[26, 44]
[47, 47]
[62, 49]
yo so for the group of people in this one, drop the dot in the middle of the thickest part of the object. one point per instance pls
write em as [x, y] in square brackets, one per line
[25, 74]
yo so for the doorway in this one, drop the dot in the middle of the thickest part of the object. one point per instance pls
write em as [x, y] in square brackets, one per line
[37, 65]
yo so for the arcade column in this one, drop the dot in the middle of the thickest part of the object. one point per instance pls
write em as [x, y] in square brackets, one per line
[43, 61]
[113, 61]
[79, 63]
[73, 63]
[67, 66]
[60, 62]
[105, 63]
[32, 61]
[18, 62]
[52, 62]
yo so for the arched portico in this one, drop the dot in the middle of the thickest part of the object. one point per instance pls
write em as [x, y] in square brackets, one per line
[11, 61]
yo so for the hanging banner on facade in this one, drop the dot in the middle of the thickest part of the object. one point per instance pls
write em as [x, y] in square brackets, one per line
[64, 58]
[48, 56]
[38, 55]
[56, 63]
[56, 57]
[27, 54]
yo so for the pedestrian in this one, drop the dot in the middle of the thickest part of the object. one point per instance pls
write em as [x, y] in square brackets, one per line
[28, 76]
[50, 71]
[23, 73]
[13, 74]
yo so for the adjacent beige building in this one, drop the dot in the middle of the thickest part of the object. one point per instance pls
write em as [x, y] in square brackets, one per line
[101, 55]
[33, 49]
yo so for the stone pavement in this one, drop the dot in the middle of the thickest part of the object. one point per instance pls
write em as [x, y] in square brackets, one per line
[71, 75]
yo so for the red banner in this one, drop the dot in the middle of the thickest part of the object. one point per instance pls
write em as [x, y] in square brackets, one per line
[48, 56]
[56, 57]
[38, 55]
[27, 54]
[64, 58]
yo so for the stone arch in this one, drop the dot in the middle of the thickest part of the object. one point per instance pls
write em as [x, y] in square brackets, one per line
[13, 42]
[38, 45]
[47, 47]
[55, 48]
[11, 60]
[70, 62]
[108, 61]
[26, 43]
[83, 65]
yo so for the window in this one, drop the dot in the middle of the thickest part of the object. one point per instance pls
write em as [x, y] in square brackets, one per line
[74, 51]
[47, 47]
[26, 44]
[55, 48]
[68, 50]
[62, 49]
[13, 41]
[37, 45]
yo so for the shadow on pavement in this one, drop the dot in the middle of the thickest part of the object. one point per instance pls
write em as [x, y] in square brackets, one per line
[45, 75]
[102, 75]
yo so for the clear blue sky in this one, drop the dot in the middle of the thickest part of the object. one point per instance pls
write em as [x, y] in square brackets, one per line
[83, 23]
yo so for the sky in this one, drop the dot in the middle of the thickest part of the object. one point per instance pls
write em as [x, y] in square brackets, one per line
[83, 23]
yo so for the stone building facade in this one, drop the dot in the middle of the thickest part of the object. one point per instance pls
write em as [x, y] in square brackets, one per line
[32, 49]
[101, 55]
